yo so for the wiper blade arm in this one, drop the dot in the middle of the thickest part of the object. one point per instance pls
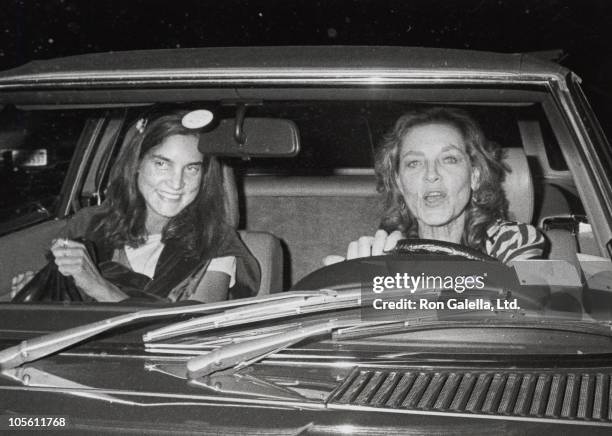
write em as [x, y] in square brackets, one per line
[238, 356]
[454, 321]
[309, 303]
[33, 349]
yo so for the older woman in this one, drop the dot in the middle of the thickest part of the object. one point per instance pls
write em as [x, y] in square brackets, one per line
[163, 224]
[442, 180]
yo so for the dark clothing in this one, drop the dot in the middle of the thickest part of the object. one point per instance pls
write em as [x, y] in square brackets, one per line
[174, 264]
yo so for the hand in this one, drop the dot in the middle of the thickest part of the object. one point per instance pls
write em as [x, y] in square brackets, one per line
[366, 246]
[72, 259]
[19, 281]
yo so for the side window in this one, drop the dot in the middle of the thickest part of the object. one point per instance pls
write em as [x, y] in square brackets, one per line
[36, 148]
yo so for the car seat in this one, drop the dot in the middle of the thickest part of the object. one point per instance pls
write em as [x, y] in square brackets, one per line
[264, 246]
[519, 190]
[313, 215]
[563, 245]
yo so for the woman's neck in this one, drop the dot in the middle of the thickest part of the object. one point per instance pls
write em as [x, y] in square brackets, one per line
[451, 232]
[155, 223]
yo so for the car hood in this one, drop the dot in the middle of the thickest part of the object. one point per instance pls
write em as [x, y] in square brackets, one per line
[291, 396]
[320, 386]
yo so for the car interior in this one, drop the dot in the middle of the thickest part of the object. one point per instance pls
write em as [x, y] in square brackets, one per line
[291, 212]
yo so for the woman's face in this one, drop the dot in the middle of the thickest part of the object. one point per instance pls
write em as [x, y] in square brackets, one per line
[435, 175]
[169, 176]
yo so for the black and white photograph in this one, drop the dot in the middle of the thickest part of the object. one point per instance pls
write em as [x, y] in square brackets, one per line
[292, 217]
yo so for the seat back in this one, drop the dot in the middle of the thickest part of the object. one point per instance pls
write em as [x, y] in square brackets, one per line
[518, 186]
[313, 216]
[520, 193]
[264, 246]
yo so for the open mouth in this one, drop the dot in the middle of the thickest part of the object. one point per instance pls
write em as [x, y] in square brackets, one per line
[433, 198]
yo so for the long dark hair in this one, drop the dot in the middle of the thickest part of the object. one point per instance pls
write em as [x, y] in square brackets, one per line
[488, 201]
[196, 227]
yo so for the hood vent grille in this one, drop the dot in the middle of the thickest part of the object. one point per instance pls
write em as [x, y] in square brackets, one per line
[584, 396]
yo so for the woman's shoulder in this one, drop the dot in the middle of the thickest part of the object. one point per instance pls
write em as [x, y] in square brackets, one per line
[230, 242]
[502, 226]
[511, 240]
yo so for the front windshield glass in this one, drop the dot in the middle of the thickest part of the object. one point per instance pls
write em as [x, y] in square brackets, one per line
[482, 197]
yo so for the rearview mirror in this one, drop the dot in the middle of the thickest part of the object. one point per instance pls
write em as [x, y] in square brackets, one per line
[262, 137]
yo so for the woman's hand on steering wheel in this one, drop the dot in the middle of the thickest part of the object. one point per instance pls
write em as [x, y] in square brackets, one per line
[366, 246]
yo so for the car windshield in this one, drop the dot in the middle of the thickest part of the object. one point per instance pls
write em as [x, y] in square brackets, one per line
[294, 211]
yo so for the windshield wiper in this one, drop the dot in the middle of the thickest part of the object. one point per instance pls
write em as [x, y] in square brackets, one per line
[323, 300]
[238, 356]
[426, 323]
[312, 302]
[42, 346]
[245, 353]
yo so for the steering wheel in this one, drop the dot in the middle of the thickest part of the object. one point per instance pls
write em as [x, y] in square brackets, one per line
[350, 272]
[433, 246]
[425, 256]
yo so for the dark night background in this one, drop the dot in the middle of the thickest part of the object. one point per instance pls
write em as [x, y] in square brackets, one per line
[40, 29]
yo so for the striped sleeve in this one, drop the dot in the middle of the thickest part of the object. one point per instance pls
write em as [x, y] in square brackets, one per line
[508, 241]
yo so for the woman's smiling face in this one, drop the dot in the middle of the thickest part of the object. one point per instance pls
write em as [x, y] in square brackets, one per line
[435, 175]
[169, 176]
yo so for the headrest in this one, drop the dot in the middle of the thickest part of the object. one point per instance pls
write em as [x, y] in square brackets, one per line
[518, 186]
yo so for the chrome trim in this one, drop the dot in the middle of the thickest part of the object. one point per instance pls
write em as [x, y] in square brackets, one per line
[344, 363]
[174, 78]
[214, 400]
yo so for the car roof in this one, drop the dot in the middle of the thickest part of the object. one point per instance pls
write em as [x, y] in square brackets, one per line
[232, 61]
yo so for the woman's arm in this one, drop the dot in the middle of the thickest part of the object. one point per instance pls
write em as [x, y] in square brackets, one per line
[219, 277]
[72, 259]
[213, 287]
